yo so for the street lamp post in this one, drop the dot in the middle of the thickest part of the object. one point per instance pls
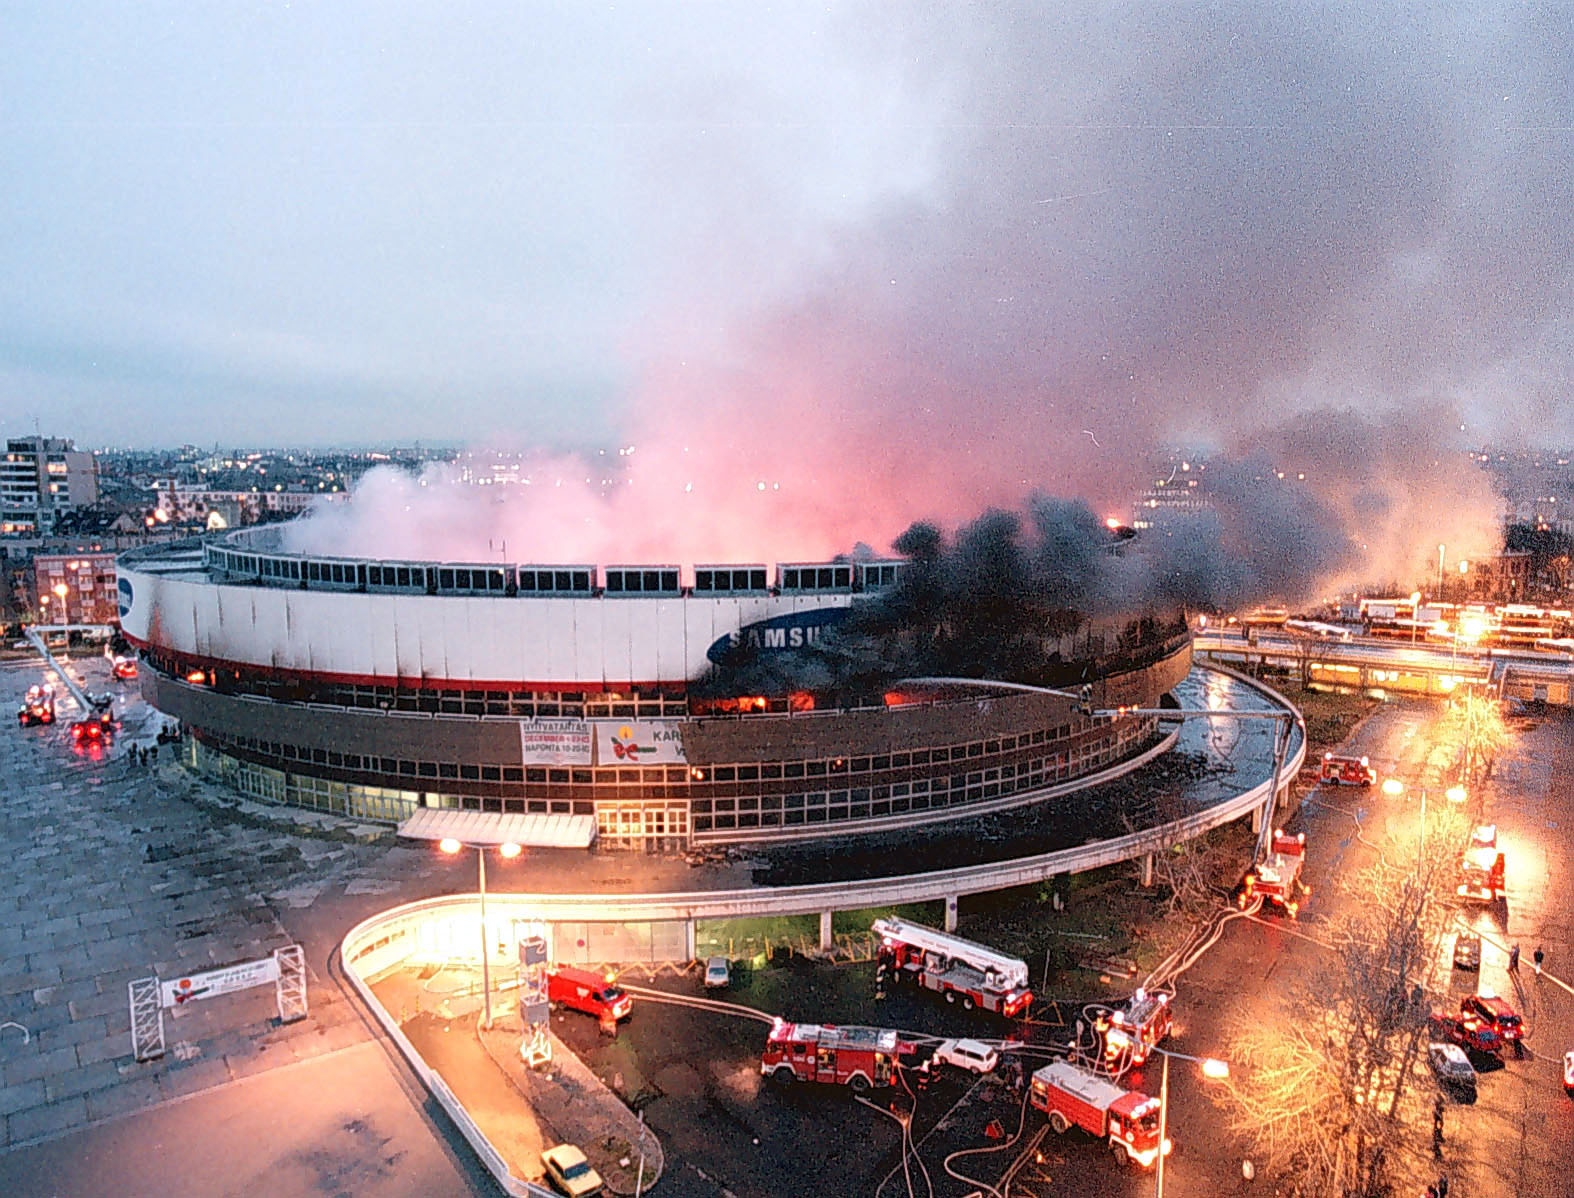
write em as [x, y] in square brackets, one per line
[507, 850]
[1211, 1067]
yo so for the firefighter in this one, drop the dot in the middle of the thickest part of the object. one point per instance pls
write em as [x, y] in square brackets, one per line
[1513, 959]
[1437, 1129]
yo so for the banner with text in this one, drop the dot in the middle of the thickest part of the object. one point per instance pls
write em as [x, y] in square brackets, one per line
[555, 742]
[219, 981]
[639, 742]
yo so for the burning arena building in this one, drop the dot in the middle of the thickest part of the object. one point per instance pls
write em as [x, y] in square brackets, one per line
[625, 698]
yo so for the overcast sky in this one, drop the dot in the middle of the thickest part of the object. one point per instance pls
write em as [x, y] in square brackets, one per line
[949, 253]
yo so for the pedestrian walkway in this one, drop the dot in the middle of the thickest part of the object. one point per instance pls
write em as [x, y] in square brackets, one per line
[520, 1111]
[574, 1105]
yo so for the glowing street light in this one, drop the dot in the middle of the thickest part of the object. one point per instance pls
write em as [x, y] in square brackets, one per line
[507, 850]
[1212, 1067]
[1393, 786]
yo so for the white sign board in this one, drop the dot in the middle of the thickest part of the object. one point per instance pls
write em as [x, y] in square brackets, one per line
[638, 742]
[219, 981]
[555, 742]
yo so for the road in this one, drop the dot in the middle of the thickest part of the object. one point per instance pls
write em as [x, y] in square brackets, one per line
[1515, 1139]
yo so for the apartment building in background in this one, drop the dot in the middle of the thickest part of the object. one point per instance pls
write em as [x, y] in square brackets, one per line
[42, 478]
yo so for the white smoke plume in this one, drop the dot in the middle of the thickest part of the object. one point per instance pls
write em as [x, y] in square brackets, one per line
[1322, 243]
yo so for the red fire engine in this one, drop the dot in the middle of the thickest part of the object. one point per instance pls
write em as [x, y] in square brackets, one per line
[1128, 1118]
[860, 1057]
[1466, 1029]
[1277, 878]
[1346, 771]
[1481, 870]
[38, 707]
[1131, 1032]
[965, 972]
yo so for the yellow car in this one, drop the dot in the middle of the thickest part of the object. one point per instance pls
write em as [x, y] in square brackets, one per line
[570, 1172]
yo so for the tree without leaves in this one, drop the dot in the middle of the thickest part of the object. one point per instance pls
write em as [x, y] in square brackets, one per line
[1327, 1091]
[1476, 721]
[1195, 875]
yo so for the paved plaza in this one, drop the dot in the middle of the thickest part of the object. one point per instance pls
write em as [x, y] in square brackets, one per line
[113, 873]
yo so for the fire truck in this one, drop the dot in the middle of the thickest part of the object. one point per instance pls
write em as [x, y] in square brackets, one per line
[1131, 1031]
[860, 1057]
[963, 971]
[1129, 1119]
[1481, 869]
[38, 707]
[1277, 878]
[1466, 1029]
[1346, 771]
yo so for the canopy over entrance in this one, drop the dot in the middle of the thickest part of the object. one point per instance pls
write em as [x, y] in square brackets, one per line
[486, 827]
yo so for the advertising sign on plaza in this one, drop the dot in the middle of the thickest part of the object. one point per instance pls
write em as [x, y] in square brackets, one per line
[219, 981]
[555, 742]
[638, 742]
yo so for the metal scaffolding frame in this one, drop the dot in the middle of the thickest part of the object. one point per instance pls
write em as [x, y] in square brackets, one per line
[147, 1019]
[290, 987]
[534, 1007]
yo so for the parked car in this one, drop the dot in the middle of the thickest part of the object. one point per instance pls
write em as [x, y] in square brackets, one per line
[1467, 951]
[971, 1055]
[718, 973]
[1568, 1073]
[1452, 1067]
[570, 1172]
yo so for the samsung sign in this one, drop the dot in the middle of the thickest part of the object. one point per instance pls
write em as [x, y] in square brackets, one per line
[779, 635]
[124, 587]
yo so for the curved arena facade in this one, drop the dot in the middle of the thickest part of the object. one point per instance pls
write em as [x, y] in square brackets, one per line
[375, 689]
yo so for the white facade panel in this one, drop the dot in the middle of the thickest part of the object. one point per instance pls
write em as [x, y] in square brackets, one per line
[430, 625]
[208, 637]
[270, 626]
[457, 663]
[559, 635]
[383, 625]
[616, 661]
[672, 642]
[644, 638]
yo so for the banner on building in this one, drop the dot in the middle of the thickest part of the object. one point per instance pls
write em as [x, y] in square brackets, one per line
[555, 742]
[639, 742]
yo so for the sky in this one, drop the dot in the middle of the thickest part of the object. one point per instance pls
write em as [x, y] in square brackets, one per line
[828, 268]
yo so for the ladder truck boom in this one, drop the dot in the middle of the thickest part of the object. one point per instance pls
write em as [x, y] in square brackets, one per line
[1009, 970]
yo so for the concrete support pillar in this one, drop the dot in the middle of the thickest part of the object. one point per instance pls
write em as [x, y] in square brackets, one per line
[688, 939]
[950, 913]
[825, 931]
[1147, 869]
[1256, 819]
